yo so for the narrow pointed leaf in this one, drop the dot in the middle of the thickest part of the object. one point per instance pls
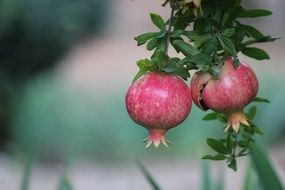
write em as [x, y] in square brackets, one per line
[185, 48]
[247, 180]
[206, 182]
[259, 99]
[216, 145]
[214, 157]
[251, 112]
[252, 13]
[253, 32]
[210, 116]
[157, 21]
[148, 176]
[141, 39]
[255, 53]
[263, 167]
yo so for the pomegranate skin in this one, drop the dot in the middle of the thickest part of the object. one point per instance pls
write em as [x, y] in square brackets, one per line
[228, 94]
[158, 102]
[235, 88]
[198, 82]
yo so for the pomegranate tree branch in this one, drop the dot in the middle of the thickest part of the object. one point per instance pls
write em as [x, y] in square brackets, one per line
[172, 5]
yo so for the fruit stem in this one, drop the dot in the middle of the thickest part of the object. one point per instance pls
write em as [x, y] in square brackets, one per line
[169, 27]
[235, 145]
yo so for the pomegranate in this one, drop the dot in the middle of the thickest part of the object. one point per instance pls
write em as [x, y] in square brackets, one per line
[158, 101]
[228, 94]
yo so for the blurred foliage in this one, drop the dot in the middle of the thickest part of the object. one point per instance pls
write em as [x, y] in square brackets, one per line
[152, 182]
[95, 123]
[35, 34]
[266, 173]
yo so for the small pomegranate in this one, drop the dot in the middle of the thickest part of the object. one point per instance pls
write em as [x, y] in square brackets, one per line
[158, 101]
[228, 94]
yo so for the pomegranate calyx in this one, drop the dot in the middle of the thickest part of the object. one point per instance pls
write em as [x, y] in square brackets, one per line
[235, 119]
[156, 137]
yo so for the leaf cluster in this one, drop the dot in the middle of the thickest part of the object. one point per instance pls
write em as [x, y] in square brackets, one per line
[205, 38]
[160, 61]
[234, 144]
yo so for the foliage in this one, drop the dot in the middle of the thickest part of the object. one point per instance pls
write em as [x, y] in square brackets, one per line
[217, 33]
[234, 145]
[148, 176]
[35, 35]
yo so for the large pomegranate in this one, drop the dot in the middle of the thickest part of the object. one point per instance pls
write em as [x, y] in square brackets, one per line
[158, 101]
[228, 94]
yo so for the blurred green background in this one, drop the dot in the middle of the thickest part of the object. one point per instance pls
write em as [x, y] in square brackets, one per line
[65, 66]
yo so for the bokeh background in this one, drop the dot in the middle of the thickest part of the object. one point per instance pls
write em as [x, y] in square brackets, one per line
[65, 66]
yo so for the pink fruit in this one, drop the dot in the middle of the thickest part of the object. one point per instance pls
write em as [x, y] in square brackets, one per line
[228, 94]
[158, 102]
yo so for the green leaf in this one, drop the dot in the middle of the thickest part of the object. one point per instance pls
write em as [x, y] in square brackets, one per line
[259, 99]
[253, 32]
[148, 176]
[210, 116]
[216, 145]
[170, 66]
[206, 182]
[204, 68]
[225, 19]
[201, 59]
[210, 46]
[177, 33]
[258, 130]
[255, 53]
[191, 35]
[202, 39]
[145, 65]
[266, 173]
[239, 35]
[229, 142]
[252, 13]
[160, 58]
[161, 34]
[231, 14]
[215, 70]
[203, 25]
[139, 74]
[182, 72]
[248, 180]
[227, 45]
[141, 39]
[233, 164]
[151, 44]
[242, 151]
[243, 143]
[157, 21]
[214, 157]
[186, 48]
[222, 118]
[161, 44]
[251, 112]
[228, 32]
